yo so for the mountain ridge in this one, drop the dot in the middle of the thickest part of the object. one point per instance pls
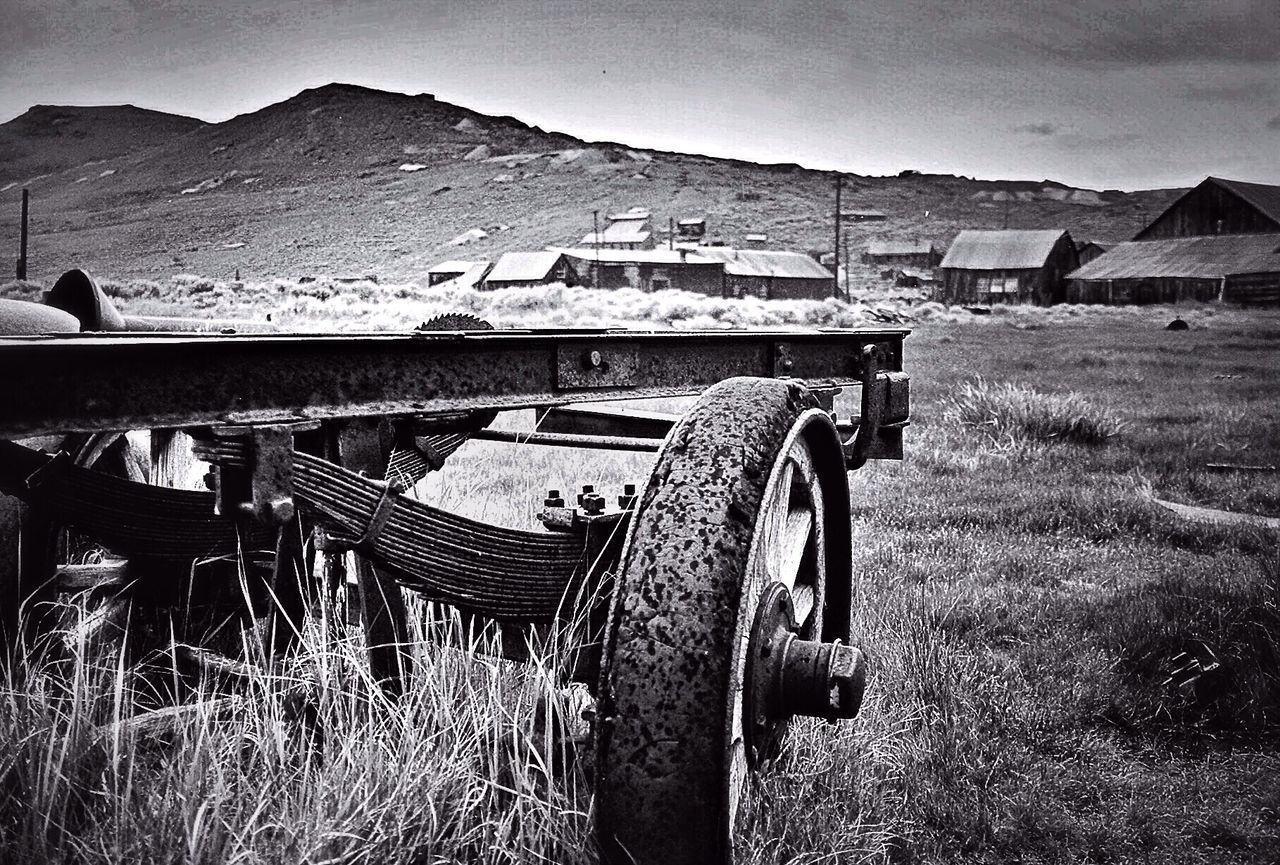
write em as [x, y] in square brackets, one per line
[346, 178]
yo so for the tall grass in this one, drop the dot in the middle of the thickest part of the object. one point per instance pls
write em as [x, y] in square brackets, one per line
[1021, 413]
[1059, 671]
[310, 763]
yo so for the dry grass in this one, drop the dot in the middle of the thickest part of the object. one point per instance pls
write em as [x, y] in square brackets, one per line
[1020, 413]
[1060, 671]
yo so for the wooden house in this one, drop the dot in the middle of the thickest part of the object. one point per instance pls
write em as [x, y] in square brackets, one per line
[772, 274]
[531, 268]
[911, 254]
[986, 267]
[648, 269]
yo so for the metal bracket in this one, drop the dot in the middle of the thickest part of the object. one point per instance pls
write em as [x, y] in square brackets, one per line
[264, 490]
[885, 411]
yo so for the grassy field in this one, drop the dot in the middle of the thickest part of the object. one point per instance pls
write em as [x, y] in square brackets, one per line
[1062, 671]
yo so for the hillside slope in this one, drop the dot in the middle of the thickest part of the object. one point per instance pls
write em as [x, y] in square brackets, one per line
[350, 181]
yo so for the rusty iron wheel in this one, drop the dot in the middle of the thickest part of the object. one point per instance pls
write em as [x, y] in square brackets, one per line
[749, 490]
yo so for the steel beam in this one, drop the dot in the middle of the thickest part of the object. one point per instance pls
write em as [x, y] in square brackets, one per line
[65, 383]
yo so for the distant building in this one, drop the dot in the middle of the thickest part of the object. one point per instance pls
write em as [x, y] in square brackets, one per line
[464, 274]
[862, 216]
[691, 230]
[630, 230]
[984, 267]
[648, 269]
[1218, 242]
[772, 274]
[918, 254]
[756, 240]
[531, 268]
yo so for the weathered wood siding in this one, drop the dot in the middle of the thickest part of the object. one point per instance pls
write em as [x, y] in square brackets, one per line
[1206, 210]
[1042, 286]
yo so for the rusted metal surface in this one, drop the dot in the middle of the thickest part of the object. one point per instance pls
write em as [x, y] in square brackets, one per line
[129, 381]
[663, 767]
[787, 675]
[596, 365]
[606, 421]
[569, 440]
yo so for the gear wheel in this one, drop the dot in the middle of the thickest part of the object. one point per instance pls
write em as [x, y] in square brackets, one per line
[455, 321]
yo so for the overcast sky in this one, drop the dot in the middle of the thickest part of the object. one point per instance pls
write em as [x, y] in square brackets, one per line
[1097, 93]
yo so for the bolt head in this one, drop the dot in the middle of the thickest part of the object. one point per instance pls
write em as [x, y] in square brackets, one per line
[848, 679]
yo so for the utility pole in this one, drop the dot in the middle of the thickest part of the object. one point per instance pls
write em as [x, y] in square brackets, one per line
[836, 247]
[22, 238]
[595, 235]
[671, 232]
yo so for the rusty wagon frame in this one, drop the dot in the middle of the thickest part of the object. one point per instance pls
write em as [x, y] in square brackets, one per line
[708, 606]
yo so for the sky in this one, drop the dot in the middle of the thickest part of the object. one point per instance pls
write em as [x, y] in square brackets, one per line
[1126, 94]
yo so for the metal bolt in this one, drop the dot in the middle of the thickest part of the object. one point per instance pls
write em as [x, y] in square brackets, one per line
[627, 500]
[587, 489]
[553, 499]
[592, 504]
[848, 672]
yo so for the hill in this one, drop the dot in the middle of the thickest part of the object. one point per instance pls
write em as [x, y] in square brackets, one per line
[53, 138]
[350, 181]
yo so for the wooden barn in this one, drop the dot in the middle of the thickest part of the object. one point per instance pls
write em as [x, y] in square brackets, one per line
[985, 267]
[1240, 268]
[531, 268]
[1218, 206]
[648, 269]
[1217, 242]
[772, 274]
[910, 254]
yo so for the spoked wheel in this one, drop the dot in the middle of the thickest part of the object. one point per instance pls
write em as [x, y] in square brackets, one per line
[732, 605]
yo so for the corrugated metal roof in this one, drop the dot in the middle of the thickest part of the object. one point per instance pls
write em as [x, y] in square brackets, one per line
[1261, 195]
[633, 215]
[636, 256]
[452, 266]
[768, 262]
[1001, 250]
[1210, 257]
[470, 278]
[899, 247]
[618, 232]
[523, 266]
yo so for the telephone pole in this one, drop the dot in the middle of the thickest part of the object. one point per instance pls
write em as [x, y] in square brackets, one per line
[836, 247]
[22, 238]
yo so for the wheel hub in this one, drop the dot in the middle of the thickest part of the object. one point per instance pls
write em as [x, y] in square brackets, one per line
[788, 676]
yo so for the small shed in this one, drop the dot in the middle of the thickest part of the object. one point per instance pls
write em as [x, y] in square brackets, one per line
[648, 269]
[984, 267]
[773, 274]
[691, 230]
[457, 273]
[1240, 268]
[918, 254]
[531, 268]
